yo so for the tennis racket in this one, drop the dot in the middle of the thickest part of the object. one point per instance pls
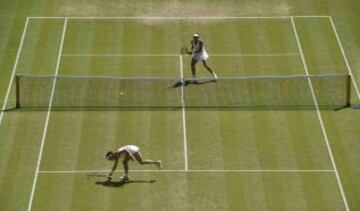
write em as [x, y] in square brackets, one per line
[184, 50]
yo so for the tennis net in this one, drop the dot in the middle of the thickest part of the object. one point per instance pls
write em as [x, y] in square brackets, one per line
[329, 92]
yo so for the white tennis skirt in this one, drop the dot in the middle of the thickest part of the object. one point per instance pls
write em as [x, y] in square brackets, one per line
[131, 149]
[200, 56]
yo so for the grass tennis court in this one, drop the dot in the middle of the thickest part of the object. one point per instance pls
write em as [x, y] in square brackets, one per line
[214, 159]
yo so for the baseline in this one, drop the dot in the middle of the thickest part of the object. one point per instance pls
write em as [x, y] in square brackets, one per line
[173, 55]
[180, 17]
[201, 170]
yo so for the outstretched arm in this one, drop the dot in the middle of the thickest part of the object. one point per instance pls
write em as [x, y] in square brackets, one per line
[113, 168]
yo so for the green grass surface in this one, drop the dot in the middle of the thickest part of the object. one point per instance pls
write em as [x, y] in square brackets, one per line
[216, 139]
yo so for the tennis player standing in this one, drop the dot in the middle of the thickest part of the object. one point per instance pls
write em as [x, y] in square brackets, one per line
[198, 53]
[128, 152]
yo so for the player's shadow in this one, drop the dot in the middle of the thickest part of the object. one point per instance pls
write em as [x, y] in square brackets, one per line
[190, 82]
[117, 184]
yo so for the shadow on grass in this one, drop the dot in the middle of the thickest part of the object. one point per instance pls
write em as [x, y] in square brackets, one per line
[117, 184]
[191, 82]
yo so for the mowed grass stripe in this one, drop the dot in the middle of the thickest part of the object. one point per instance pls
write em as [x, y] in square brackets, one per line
[111, 130]
[250, 34]
[38, 41]
[341, 126]
[271, 139]
[98, 135]
[116, 66]
[9, 42]
[26, 129]
[12, 26]
[320, 47]
[277, 142]
[78, 37]
[101, 131]
[39, 49]
[167, 191]
[221, 195]
[250, 142]
[298, 192]
[344, 129]
[277, 38]
[20, 135]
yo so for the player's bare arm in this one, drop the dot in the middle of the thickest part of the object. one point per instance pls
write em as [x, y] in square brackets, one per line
[116, 161]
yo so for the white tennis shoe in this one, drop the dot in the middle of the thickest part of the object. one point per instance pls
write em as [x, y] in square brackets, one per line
[158, 164]
[215, 76]
[125, 178]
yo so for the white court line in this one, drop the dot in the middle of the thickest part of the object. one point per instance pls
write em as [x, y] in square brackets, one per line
[181, 17]
[14, 70]
[120, 55]
[173, 55]
[345, 58]
[200, 171]
[320, 118]
[183, 112]
[45, 17]
[256, 54]
[47, 118]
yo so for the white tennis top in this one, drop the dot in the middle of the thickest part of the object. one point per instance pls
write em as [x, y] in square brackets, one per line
[196, 46]
[202, 55]
[131, 149]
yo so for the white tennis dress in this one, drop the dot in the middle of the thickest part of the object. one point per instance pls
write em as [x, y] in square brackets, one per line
[203, 55]
[131, 149]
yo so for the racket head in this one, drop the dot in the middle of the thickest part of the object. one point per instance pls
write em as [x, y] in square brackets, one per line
[184, 50]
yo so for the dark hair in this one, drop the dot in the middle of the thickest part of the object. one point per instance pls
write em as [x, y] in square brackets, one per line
[108, 153]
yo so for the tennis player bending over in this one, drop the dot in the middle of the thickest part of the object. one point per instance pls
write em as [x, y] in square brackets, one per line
[198, 53]
[128, 152]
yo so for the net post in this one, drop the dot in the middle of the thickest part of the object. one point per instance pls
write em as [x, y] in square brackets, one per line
[348, 90]
[17, 82]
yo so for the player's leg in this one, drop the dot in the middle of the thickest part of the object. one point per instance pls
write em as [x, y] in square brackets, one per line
[209, 69]
[126, 168]
[142, 161]
[193, 69]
